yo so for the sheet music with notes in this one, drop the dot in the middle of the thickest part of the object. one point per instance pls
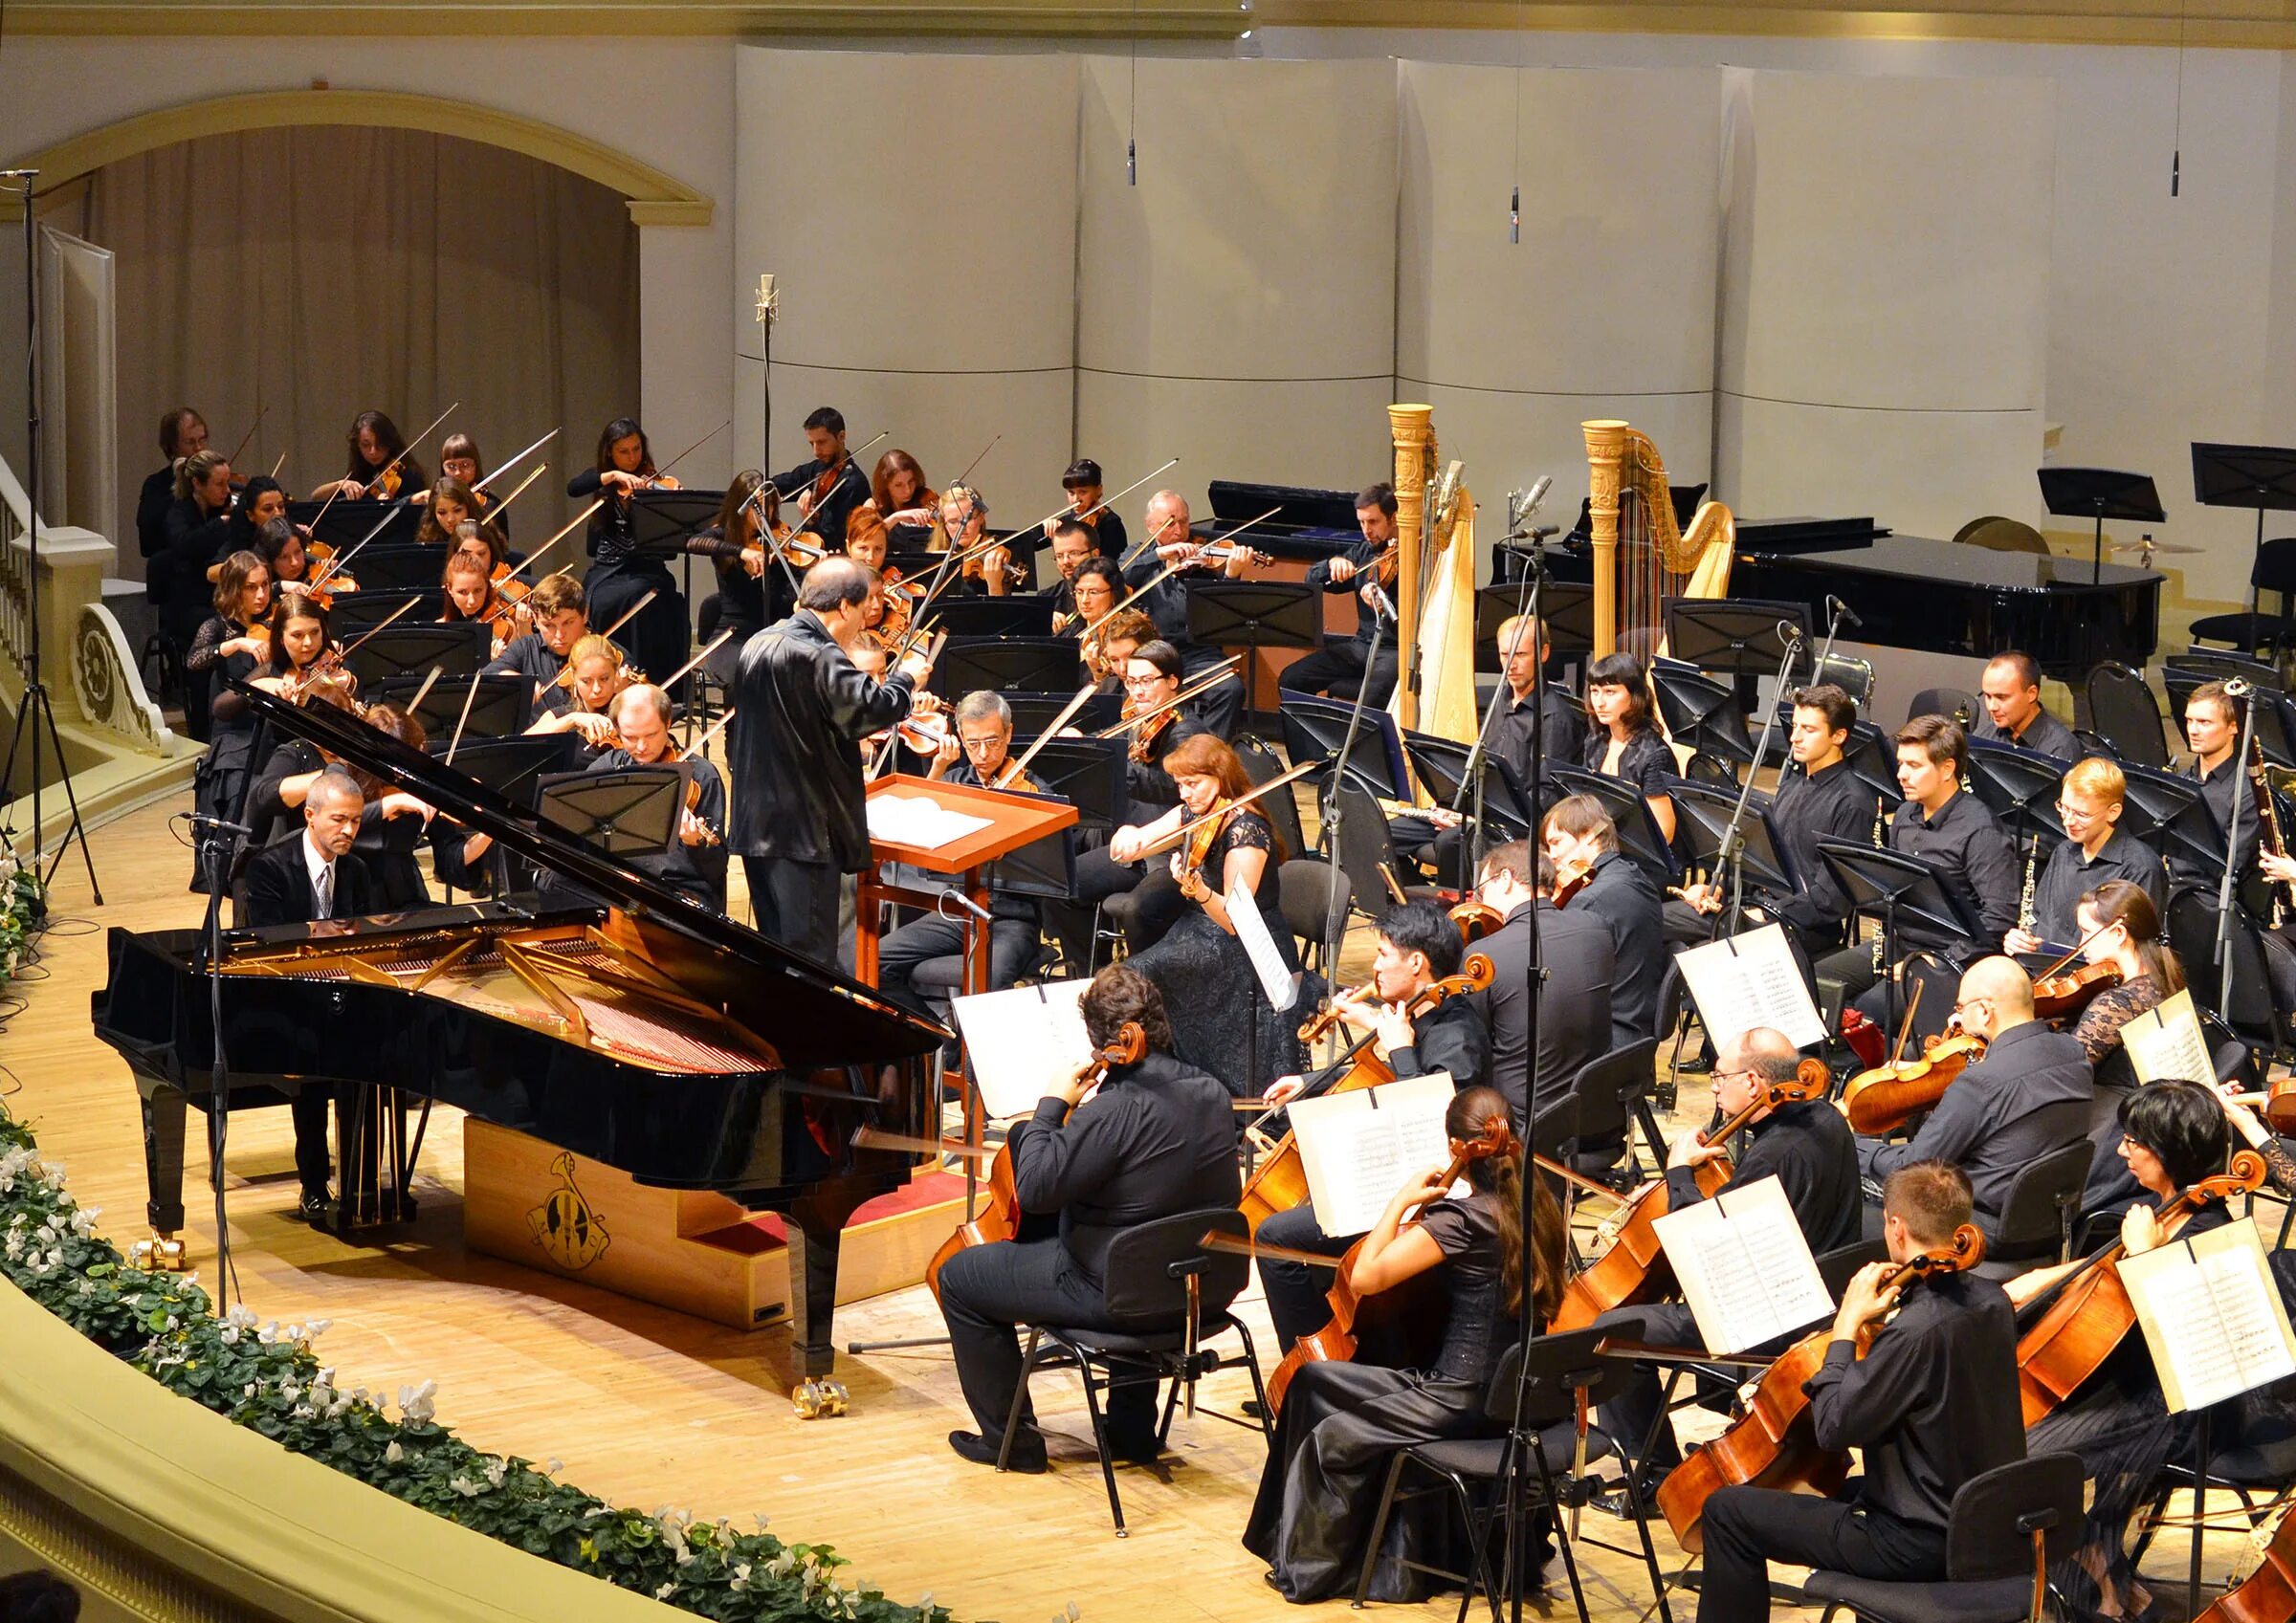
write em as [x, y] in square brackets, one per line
[2211, 1315]
[1021, 1040]
[1357, 1148]
[920, 821]
[1748, 981]
[1280, 984]
[2165, 1042]
[1745, 1268]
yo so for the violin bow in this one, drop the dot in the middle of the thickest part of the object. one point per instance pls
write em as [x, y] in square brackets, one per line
[261, 412]
[1105, 502]
[2077, 950]
[279, 463]
[692, 448]
[1905, 1030]
[335, 565]
[487, 480]
[369, 484]
[715, 643]
[1218, 674]
[456, 743]
[1179, 834]
[967, 474]
[629, 614]
[699, 744]
[1227, 539]
[572, 524]
[1068, 714]
[844, 460]
[424, 692]
[488, 517]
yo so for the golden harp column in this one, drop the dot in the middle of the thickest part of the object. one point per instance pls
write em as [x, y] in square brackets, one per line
[1412, 427]
[1605, 458]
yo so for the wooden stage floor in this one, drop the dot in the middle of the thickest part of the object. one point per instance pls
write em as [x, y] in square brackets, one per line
[651, 1408]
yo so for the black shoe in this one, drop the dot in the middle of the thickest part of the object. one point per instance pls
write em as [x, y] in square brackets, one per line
[1028, 1455]
[312, 1208]
[1617, 1504]
[1251, 1408]
[1128, 1450]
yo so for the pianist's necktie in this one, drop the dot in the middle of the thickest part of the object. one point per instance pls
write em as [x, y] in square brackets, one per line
[322, 893]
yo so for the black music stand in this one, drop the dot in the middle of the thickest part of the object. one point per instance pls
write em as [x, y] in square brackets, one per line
[1441, 764]
[1872, 760]
[2099, 494]
[1735, 635]
[1036, 665]
[503, 706]
[2021, 787]
[993, 617]
[1702, 818]
[2261, 477]
[1568, 609]
[1088, 774]
[661, 520]
[457, 648]
[1033, 712]
[1044, 867]
[347, 523]
[395, 569]
[513, 768]
[1897, 889]
[2171, 812]
[631, 813]
[1256, 615]
[1318, 728]
[1639, 837]
[1702, 712]
[355, 612]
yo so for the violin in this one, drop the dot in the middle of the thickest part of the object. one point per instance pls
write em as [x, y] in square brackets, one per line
[1774, 1444]
[709, 835]
[1635, 1268]
[2279, 1106]
[2061, 996]
[1144, 737]
[1198, 848]
[384, 485]
[1571, 878]
[1281, 1181]
[2267, 1594]
[2092, 1311]
[1475, 920]
[1336, 1343]
[1001, 1219]
[1879, 1101]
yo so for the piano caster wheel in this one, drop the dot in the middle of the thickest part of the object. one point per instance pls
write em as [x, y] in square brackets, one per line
[161, 1254]
[819, 1400]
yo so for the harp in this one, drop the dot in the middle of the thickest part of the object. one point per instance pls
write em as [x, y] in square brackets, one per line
[1641, 556]
[1435, 581]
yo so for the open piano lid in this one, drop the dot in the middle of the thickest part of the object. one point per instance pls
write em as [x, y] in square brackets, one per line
[814, 1013]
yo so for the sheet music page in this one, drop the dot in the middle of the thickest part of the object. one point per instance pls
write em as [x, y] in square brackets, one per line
[1280, 984]
[1357, 1148]
[1021, 1040]
[2212, 1316]
[1745, 1268]
[1751, 979]
[920, 821]
[2165, 1042]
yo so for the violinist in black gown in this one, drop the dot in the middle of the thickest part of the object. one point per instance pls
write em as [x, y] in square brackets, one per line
[1156, 1140]
[736, 548]
[1342, 1423]
[619, 575]
[828, 488]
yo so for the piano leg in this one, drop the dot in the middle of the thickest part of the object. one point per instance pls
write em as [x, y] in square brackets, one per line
[163, 1157]
[816, 1224]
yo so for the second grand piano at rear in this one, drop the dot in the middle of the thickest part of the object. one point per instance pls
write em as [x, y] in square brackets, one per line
[649, 1034]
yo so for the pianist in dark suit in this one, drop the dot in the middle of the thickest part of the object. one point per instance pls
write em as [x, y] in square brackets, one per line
[798, 823]
[300, 881]
[2011, 690]
[1157, 1140]
[1338, 667]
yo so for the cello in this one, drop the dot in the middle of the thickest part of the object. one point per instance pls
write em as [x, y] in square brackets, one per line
[1635, 1268]
[2267, 1594]
[1281, 1180]
[1336, 1341]
[1001, 1219]
[1775, 1443]
[2092, 1311]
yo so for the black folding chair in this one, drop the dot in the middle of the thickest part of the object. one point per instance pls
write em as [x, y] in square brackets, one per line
[2123, 712]
[2007, 1524]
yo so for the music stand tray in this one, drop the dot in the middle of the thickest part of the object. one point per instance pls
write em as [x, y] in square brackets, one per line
[1441, 764]
[1639, 837]
[661, 520]
[993, 617]
[631, 813]
[1701, 816]
[1896, 888]
[1255, 615]
[455, 649]
[355, 612]
[1316, 729]
[1736, 635]
[514, 767]
[2099, 494]
[1040, 665]
[503, 706]
[2261, 477]
[2021, 787]
[1090, 775]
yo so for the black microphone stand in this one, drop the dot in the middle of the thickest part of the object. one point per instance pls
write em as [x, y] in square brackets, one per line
[1472, 847]
[1732, 854]
[2241, 690]
[1334, 813]
[218, 846]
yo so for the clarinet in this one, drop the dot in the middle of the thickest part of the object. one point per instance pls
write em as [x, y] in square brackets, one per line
[2268, 833]
[2025, 904]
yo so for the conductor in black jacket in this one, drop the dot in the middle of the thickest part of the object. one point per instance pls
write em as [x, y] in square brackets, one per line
[1931, 1405]
[1808, 1148]
[1157, 1140]
[304, 881]
[803, 708]
[1577, 963]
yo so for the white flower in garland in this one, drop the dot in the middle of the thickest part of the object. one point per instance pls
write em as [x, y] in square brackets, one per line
[464, 1486]
[415, 1403]
[392, 1455]
[741, 1576]
[666, 1591]
[497, 1469]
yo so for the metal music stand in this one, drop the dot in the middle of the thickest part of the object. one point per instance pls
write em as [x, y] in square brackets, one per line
[2171, 815]
[661, 520]
[1255, 615]
[355, 612]
[1701, 817]
[1441, 764]
[1639, 837]
[1087, 772]
[1735, 635]
[993, 617]
[1567, 609]
[347, 523]
[1897, 889]
[2099, 494]
[503, 706]
[1873, 761]
[514, 768]
[1033, 712]
[631, 813]
[1038, 664]
[2020, 786]
[396, 568]
[1318, 728]
[457, 648]
[2261, 477]
[1703, 714]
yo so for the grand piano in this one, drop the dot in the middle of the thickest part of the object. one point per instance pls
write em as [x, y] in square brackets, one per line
[649, 1034]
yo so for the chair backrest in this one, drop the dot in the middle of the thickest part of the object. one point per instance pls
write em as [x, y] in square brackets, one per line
[1557, 1365]
[2191, 931]
[2123, 711]
[1840, 1265]
[1955, 702]
[2235, 1059]
[2275, 568]
[1144, 1275]
[1363, 849]
[2034, 1212]
[2216, 664]
[1260, 764]
[1314, 906]
[1607, 1085]
[1996, 1512]
[1555, 1126]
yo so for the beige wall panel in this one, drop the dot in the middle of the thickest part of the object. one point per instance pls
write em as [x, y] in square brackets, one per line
[1612, 287]
[1259, 243]
[1327, 434]
[1886, 241]
[1919, 472]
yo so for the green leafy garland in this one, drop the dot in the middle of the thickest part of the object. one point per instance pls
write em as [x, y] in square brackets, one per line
[266, 1378]
[21, 908]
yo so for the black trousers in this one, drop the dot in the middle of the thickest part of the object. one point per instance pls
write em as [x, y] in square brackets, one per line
[312, 1160]
[987, 1291]
[1157, 905]
[1629, 1415]
[1747, 1528]
[1220, 707]
[796, 903]
[933, 936]
[1298, 1292]
[1337, 669]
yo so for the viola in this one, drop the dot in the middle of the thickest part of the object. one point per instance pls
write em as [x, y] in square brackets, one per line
[1879, 1101]
[1338, 1342]
[1001, 1219]
[2092, 1311]
[1571, 878]
[1475, 920]
[1281, 1180]
[1775, 1444]
[2267, 1594]
[2279, 1106]
[2059, 997]
[1635, 1268]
